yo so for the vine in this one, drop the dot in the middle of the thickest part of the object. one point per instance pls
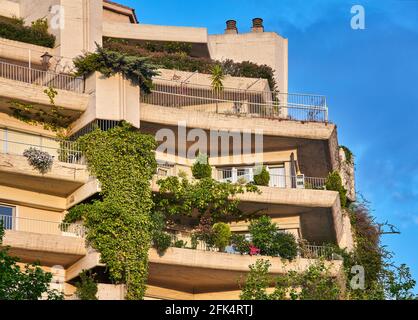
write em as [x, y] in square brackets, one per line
[119, 226]
[53, 119]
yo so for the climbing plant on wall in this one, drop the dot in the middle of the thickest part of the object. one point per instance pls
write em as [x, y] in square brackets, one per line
[119, 226]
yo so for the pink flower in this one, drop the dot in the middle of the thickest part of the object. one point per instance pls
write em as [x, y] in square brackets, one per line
[254, 251]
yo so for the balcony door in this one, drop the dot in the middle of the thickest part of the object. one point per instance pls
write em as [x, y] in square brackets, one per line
[7, 217]
[277, 177]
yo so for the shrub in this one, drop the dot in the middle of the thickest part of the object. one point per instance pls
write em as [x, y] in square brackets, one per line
[179, 244]
[201, 169]
[40, 160]
[263, 178]
[87, 286]
[178, 58]
[334, 183]
[240, 244]
[162, 241]
[221, 235]
[37, 34]
[270, 241]
[138, 70]
[285, 245]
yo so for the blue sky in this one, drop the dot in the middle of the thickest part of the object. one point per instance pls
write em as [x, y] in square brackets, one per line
[369, 76]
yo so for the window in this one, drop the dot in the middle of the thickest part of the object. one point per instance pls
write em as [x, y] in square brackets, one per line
[7, 216]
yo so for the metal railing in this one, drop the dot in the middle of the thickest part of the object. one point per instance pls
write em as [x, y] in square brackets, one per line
[305, 251]
[41, 78]
[246, 175]
[16, 143]
[238, 102]
[42, 227]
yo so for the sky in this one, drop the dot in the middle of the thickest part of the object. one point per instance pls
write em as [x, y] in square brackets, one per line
[370, 78]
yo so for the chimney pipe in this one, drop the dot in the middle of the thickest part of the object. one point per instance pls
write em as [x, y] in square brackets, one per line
[231, 27]
[258, 25]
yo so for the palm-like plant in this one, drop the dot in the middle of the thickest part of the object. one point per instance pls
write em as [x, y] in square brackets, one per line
[217, 78]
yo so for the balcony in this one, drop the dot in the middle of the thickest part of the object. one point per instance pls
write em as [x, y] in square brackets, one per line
[67, 174]
[43, 78]
[246, 175]
[27, 85]
[50, 242]
[237, 102]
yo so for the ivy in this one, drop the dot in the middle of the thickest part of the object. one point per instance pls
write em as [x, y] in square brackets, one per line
[207, 197]
[138, 70]
[53, 118]
[334, 183]
[349, 156]
[120, 226]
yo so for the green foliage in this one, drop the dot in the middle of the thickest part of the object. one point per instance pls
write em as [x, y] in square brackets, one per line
[180, 244]
[267, 238]
[162, 241]
[221, 235]
[217, 76]
[334, 183]
[250, 70]
[37, 33]
[349, 157]
[263, 178]
[383, 279]
[138, 70]
[285, 245]
[257, 282]
[120, 225]
[181, 60]
[52, 118]
[179, 196]
[316, 283]
[23, 283]
[240, 243]
[201, 169]
[87, 286]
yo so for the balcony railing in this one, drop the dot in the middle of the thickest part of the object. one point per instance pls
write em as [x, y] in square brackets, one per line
[305, 251]
[41, 78]
[15, 143]
[42, 226]
[246, 175]
[238, 102]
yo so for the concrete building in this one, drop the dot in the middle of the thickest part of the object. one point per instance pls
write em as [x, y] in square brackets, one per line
[300, 144]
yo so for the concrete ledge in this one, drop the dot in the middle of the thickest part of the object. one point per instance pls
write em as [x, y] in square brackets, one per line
[32, 199]
[20, 91]
[232, 262]
[48, 249]
[292, 197]
[213, 121]
[59, 171]
[154, 32]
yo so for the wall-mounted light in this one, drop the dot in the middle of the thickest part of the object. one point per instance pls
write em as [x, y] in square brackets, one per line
[46, 58]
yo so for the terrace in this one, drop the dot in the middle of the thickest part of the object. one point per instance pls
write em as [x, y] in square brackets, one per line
[245, 103]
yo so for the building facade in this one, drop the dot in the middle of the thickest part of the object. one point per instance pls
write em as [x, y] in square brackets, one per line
[299, 144]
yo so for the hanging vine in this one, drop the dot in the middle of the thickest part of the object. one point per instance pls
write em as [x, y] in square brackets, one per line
[119, 226]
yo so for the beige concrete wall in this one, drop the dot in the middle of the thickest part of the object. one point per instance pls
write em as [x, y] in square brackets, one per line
[112, 98]
[262, 48]
[111, 16]
[83, 23]
[9, 9]
[110, 292]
